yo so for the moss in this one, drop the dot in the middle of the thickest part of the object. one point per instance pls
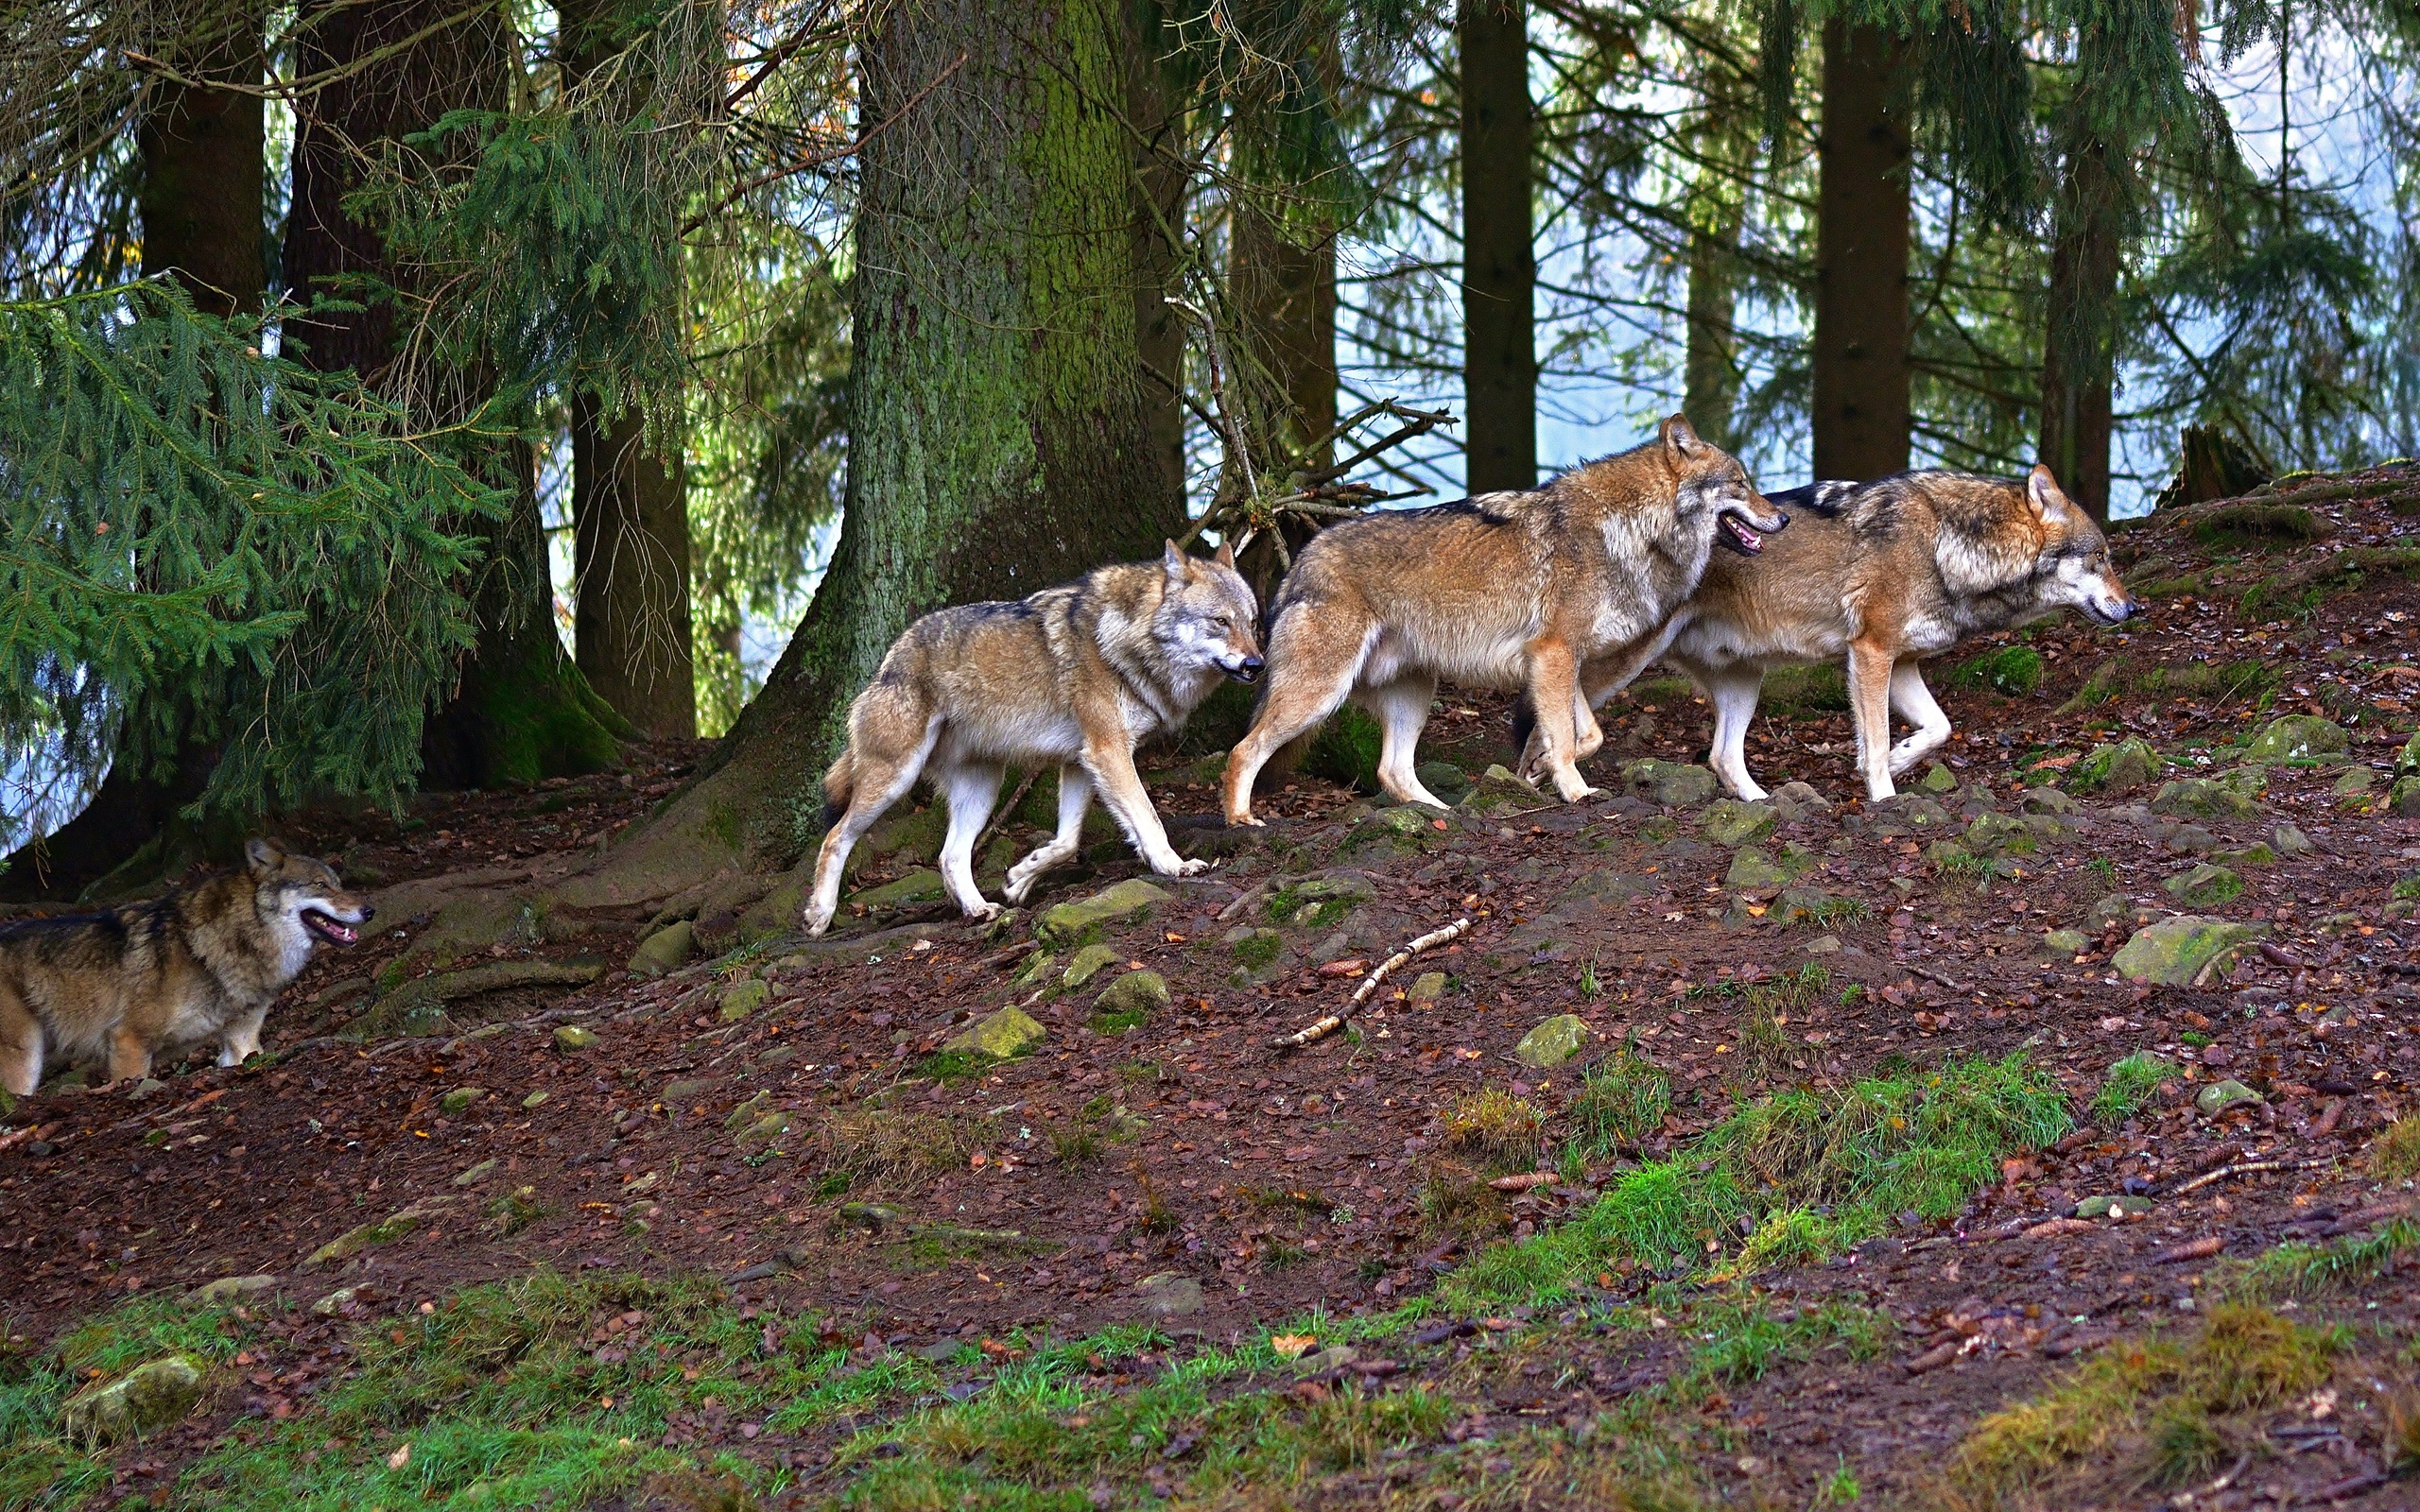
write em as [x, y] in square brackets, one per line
[2014, 670]
[1346, 749]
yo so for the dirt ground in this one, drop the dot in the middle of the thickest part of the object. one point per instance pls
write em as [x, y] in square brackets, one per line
[789, 1117]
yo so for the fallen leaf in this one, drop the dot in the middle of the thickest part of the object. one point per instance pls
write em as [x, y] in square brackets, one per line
[1292, 1346]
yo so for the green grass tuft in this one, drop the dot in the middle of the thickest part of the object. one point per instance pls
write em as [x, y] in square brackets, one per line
[2128, 1086]
[1622, 1099]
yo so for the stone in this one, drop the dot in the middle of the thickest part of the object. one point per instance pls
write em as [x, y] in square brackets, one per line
[1498, 790]
[2355, 782]
[765, 1130]
[1729, 822]
[1992, 834]
[1754, 871]
[1551, 1041]
[1802, 905]
[1674, 784]
[2102, 1206]
[2110, 908]
[144, 1400]
[1087, 963]
[1824, 945]
[2064, 944]
[535, 1099]
[470, 1176]
[1134, 993]
[1794, 800]
[667, 950]
[1937, 780]
[923, 885]
[380, 1231]
[687, 1088]
[2204, 887]
[234, 1288]
[1009, 1032]
[1404, 821]
[1334, 1357]
[1427, 989]
[147, 1087]
[2188, 840]
[1443, 779]
[2119, 768]
[336, 1301]
[460, 1098]
[2221, 1095]
[2290, 841]
[2403, 799]
[2298, 737]
[2407, 761]
[741, 999]
[2204, 797]
[1170, 1295]
[2047, 801]
[2258, 853]
[1068, 924]
[1034, 968]
[2182, 951]
[572, 1037]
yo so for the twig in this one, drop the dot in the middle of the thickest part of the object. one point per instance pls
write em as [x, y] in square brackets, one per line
[1931, 975]
[1334, 1022]
[1243, 900]
[2248, 1168]
[1003, 811]
[807, 161]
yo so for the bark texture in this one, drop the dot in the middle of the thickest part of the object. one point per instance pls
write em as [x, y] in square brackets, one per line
[1499, 265]
[1718, 211]
[1861, 376]
[2079, 358]
[630, 623]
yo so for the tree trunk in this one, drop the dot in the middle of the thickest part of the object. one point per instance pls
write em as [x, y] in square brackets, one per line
[999, 433]
[1284, 294]
[1161, 184]
[1717, 210]
[198, 152]
[522, 710]
[1499, 266]
[2079, 352]
[1862, 374]
[630, 562]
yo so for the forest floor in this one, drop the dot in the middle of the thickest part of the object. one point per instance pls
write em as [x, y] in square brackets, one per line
[1862, 1188]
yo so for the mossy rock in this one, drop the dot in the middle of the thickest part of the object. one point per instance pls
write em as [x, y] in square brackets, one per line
[381, 1231]
[2298, 737]
[2115, 768]
[455, 1102]
[1129, 1000]
[1035, 968]
[2221, 1095]
[1255, 949]
[1552, 1041]
[1674, 784]
[741, 999]
[1346, 749]
[2407, 761]
[1498, 790]
[667, 950]
[2183, 950]
[2204, 797]
[1087, 964]
[916, 888]
[1727, 821]
[2205, 886]
[1992, 834]
[1443, 779]
[1000, 1036]
[571, 1037]
[1937, 780]
[1426, 990]
[2063, 944]
[1754, 871]
[2014, 670]
[2258, 853]
[150, 1396]
[911, 835]
[1068, 924]
[2403, 799]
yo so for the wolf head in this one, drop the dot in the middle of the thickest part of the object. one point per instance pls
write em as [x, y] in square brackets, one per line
[303, 895]
[1709, 481]
[1207, 615]
[2073, 568]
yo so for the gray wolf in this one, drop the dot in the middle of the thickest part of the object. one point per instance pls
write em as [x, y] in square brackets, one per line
[199, 964]
[1505, 591]
[1881, 575]
[1078, 675]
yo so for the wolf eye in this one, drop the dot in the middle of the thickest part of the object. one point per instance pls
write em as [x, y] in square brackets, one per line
[1224, 622]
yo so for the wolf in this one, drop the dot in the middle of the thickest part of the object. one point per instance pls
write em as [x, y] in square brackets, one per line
[198, 963]
[1505, 591]
[1078, 675]
[1881, 575]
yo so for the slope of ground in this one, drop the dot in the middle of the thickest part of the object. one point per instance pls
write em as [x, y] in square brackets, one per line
[1871, 1138]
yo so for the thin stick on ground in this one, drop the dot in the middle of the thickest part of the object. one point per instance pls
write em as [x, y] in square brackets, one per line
[1361, 994]
[2248, 1168]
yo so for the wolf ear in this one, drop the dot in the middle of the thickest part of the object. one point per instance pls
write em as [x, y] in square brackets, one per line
[1226, 556]
[264, 853]
[2043, 490]
[1681, 437]
[1172, 560]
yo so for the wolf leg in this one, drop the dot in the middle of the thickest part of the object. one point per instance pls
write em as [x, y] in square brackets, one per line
[1554, 691]
[1916, 705]
[241, 1039]
[1600, 678]
[1307, 677]
[1111, 764]
[1732, 692]
[1870, 707]
[20, 1046]
[1402, 708]
[970, 788]
[1075, 798]
[881, 778]
[129, 1058]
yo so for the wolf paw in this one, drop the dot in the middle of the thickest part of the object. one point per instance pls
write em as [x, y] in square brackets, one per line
[1234, 821]
[815, 927]
[984, 913]
[1185, 868]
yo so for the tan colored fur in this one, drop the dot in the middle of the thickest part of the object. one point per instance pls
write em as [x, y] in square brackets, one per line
[1905, 568]
[1078, 675]
[1507, 591]
[200, 965]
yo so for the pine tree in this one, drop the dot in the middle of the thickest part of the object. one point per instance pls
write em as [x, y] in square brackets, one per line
[1499, 264]
[1861, 376]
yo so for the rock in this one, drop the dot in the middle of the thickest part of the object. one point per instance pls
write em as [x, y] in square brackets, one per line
[144, 1400]
[765, 1130]
[147, 1087]
[1498, 790]
[1136, 993]
[668, 949]
[1992, 834]
[470, 1176]
[2256, 855]
[741, 999]
[2188, 840]
[2221, 1095]
[1754, 871]
[2047, 801]
[1824, 945]
[1794, 800]
[1404, 821]
[383, 1231]
[234, 1288]
[1169, 1295]
[2101, 1207]
[1034, 968]
[1802, 905]
[2403, 799]
[572, 1037]
[534, 1099]
[2182, 951]
[2291, 841]
[2111, 908]
[1674, 784]
[336, 1301]
[1009, 1032]
[1443, 779]
[1087, 964]
[1551, 1041]
[2064, 944]
[2119, 768]
[919, 887]
[458, 1099]
[1426, 990]
[1937, 780]
[1068, 924]
[1334, 1357]
[2204, 887]
[2353, 782]
[2204, 797]
[2298, 737]
[1729, 822]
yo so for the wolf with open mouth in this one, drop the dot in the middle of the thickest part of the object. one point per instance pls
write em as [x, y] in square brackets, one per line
[198, 965]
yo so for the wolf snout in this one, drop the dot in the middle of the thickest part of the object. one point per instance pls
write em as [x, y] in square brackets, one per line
[1245, 670]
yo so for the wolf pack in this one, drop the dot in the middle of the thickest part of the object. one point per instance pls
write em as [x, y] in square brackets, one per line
[1560, 596]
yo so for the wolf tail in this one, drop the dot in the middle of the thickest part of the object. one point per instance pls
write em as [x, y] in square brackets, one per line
[839, 784]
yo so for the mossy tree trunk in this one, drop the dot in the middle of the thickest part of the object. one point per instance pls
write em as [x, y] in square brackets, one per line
[1161, 185]
[1000, 430]
[2079, 358]
[1717, 210]
[1499, 264]
[522, 709]
[1861, 376]
[198, 151]
[1284, 293]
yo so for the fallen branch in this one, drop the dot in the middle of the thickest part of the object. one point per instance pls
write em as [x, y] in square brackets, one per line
[2248, 1168]
[1361, 994]
[1243, 901]
[1931, 975]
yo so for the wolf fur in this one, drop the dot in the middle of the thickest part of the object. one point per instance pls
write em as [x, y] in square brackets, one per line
[1078, 675]
[1881, 575]
[1504, 591]
[200, 964]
